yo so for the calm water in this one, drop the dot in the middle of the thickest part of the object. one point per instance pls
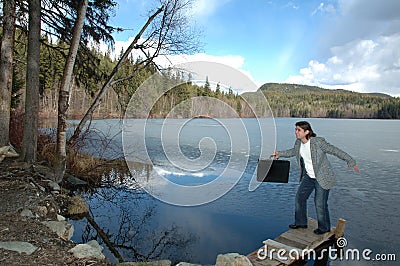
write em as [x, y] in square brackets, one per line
[144, 228]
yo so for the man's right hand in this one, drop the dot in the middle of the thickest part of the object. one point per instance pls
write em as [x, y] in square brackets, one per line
[275, 155]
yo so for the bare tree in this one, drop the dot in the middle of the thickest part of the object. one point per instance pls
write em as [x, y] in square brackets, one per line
[107, 85]
[6, 66]
[29, 141]
[63, 99]
[169, 33]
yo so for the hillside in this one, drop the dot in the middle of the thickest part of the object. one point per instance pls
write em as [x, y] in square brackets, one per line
[297, 88]
[293, 100]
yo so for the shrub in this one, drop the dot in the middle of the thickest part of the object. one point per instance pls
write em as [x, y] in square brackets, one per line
[16, 128]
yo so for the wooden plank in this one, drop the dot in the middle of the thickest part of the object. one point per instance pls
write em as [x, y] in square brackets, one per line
[294, 239]
[278, 245]
[321, 240]
[303, 234]
[291, 242]
[306, 234]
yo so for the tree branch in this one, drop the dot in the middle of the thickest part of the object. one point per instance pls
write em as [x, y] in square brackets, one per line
[104, 89]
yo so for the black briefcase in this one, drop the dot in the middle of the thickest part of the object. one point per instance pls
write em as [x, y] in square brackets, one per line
[273, 171]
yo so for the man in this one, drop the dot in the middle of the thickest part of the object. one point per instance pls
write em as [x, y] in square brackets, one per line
[316, 174]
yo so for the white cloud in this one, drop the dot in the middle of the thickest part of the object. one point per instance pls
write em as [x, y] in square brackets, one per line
[361, 65]
[357, 20]
[233, 61]
[323, 8]
[205, 8]
[358, 48]
[377, 10]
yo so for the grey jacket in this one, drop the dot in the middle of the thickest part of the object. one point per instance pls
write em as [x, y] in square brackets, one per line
[322, 167]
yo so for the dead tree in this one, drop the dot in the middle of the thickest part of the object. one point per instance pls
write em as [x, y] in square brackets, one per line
[63, 99]
[169, 34]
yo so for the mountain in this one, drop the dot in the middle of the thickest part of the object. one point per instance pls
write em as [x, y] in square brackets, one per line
[379, 94]
[290, 88]
[294, 100]
[297, 88]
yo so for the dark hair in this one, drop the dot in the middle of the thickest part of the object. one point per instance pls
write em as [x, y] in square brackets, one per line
[306, 126]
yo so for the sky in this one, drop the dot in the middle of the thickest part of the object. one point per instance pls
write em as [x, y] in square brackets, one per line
[334, 44]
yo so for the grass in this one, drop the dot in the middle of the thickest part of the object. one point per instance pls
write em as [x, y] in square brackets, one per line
[80, 163]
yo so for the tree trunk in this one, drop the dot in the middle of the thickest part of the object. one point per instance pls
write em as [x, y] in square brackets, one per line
[106, 86]
[6, 67]
[63, 98]
[31, 117]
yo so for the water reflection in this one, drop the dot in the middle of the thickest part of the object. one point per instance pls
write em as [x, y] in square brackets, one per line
[122, 219]
[240, 220]
[134, 226]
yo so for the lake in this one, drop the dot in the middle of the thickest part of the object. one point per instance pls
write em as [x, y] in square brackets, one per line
[232, 218]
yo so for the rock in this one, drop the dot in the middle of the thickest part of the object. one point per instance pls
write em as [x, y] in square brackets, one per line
[7, 151]
[187, 264]
[60, 218]
[18, 246]
[91, 249]
[54, 186]
[232, 259]
[63, 229]
[27, 213]
[42, 211]
[75, 181]
[50, 176]
[150, 263]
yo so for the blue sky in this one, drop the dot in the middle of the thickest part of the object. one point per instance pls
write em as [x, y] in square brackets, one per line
[347, 44]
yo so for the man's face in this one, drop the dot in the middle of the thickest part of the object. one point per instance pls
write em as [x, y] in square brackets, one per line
[301, 133]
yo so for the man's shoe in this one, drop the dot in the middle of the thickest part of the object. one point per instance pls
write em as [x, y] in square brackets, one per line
[319, 232]
[295, 226]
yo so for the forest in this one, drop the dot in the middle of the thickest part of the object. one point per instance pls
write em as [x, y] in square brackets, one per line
[292, 100]
[52, 67]
[285, 100]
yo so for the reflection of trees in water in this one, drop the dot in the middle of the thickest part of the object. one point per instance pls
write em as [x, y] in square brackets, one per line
[123, 219]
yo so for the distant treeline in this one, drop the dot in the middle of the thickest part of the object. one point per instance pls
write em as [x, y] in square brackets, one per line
[292, 100]
[92, 73]
[285, 100]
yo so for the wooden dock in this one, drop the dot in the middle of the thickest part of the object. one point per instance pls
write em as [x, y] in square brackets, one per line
[294, 245]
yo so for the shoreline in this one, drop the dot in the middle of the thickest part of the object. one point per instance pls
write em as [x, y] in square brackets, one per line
[35, 232]
[31, 211]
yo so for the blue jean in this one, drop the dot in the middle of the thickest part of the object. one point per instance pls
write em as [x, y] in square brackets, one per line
[307, 185]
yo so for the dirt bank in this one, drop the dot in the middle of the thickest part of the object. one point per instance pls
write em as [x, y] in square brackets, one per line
[26, 200]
